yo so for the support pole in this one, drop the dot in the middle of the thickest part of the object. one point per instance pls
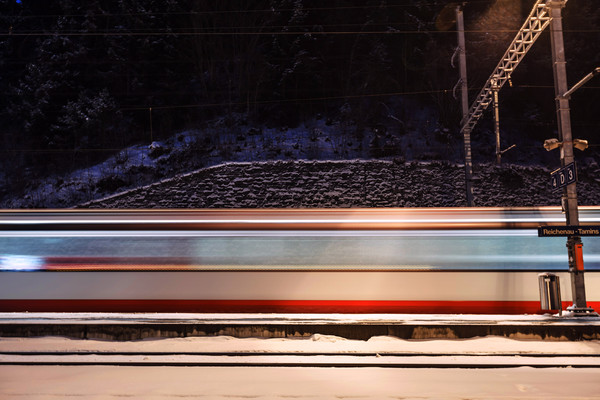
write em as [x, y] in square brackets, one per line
[151, 134]
[462, 60]
[569, 197]
[496, 89]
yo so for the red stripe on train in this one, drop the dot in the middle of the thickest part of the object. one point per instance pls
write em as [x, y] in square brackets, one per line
[280, 306]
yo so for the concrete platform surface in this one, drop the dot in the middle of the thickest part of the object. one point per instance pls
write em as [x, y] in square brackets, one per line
[124, 326]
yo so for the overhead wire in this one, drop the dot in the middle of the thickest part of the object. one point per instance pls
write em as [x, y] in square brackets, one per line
[389, 31]
[277, 101]
[266, 10]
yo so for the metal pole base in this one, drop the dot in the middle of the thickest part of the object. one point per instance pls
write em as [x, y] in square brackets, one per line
[583, 311]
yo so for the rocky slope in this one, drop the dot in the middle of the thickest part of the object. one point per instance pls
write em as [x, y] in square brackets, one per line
[358, 183]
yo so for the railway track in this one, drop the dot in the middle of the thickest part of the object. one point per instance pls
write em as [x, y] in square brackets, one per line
[292, 359]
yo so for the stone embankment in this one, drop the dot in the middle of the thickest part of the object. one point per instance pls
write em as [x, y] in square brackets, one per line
[358, 183]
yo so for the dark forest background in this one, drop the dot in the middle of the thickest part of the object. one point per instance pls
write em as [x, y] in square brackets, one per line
[80, 80]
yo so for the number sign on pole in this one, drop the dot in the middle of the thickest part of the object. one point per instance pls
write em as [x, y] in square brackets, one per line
[563, 176]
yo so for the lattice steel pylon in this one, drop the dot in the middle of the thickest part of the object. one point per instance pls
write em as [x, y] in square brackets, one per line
[535, 24]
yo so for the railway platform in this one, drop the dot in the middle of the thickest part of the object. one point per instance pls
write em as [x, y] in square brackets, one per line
[136, 326]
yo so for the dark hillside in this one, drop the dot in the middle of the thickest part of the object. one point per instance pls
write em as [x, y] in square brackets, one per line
[81, 81]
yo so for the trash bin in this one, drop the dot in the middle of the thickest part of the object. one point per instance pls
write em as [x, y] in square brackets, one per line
[549, 291]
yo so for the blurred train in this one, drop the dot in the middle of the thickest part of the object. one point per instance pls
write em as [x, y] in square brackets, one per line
[448, 260]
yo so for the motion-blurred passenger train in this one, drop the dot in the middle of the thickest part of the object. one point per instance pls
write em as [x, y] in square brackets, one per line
[448, 260]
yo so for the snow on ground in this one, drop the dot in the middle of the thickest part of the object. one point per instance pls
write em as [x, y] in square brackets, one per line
[154, 382]
[226, 383]
[157, 382]
[316, 343]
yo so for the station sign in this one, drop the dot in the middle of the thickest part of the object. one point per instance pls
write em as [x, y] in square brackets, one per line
[563, 176]
[582, 230]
